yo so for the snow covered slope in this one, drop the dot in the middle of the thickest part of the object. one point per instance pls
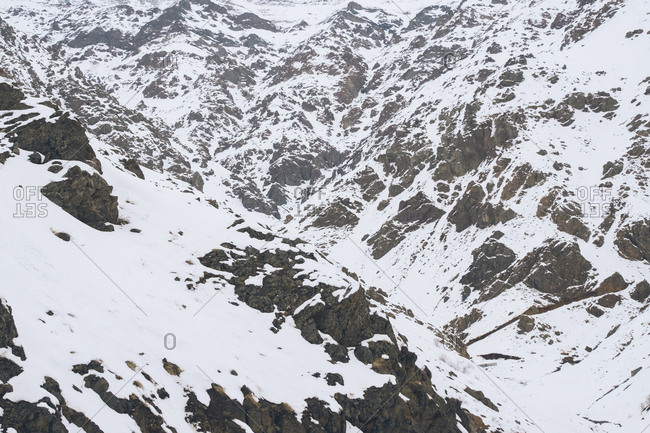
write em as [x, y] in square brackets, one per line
[322, 216]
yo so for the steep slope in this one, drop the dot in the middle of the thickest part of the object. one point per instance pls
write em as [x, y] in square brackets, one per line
[482, 164]
[134, 303]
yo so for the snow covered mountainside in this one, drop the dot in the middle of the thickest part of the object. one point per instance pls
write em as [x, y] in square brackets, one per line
[325, 217]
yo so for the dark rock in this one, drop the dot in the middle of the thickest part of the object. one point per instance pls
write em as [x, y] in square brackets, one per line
[526, 324]
[218, 415]
[10, 98]
[337, 352]
[197, 181]
[383, 410]
[71, 415]
[418, 209]
[412, 214]
[510, 78]
[171, 368]
[36, 158]
[470, 210]
[333, 379]
[293, 171]
[612, 284]
[253, 199]
[63, 139]
[633, 240]
[490, 259]
[564, 213]
[460, 153]
[136, 409]
[4, 156]
[336, 214]
[63, 236]
[478, 395]
[55, 168]
[249, 20]
[319, 418]
[560, 21]
[277, 194]
[370, 184]
[598, 102]
[7, 327]
[348, 322]
[8, 369]
[609, 301]
[567, 218]
[26, 417]
[569, 267]
[83, 369]
[86, 197]
[641, 291]
[133, 167]
[112, 38]
[595, 311]
[557, 268]
[525, 176]
[611, 169]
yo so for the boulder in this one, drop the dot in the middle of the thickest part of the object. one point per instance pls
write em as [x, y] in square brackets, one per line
[633, 240]
[641, 291]
[86, 197]
[63, 139]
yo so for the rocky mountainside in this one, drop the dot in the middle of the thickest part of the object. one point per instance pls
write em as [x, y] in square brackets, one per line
[325, 217]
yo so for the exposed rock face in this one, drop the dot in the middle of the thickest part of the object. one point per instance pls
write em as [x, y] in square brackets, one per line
[26, 417]
[370, 184]
[458, 154]
[8, 369]
[112, 38]
[86, 197]
[337, 214]
[564, 213]
[526, 324]
[598, 102]
[347, 321]
[611, 169]
[490, 259]
[633, 241]
[10, 98]
[63, 139]
[424, 410]
[7, 327]
[641, 291]
[133, 167]
[612, 284]
[412, 214]
[344, 314]
[252, 199]
[524, 176]
[146, 420]
[8, 330]
[556, 268]
[470, 210]
[609, 301]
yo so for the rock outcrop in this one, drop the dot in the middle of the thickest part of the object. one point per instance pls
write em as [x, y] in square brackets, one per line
[86, 197]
